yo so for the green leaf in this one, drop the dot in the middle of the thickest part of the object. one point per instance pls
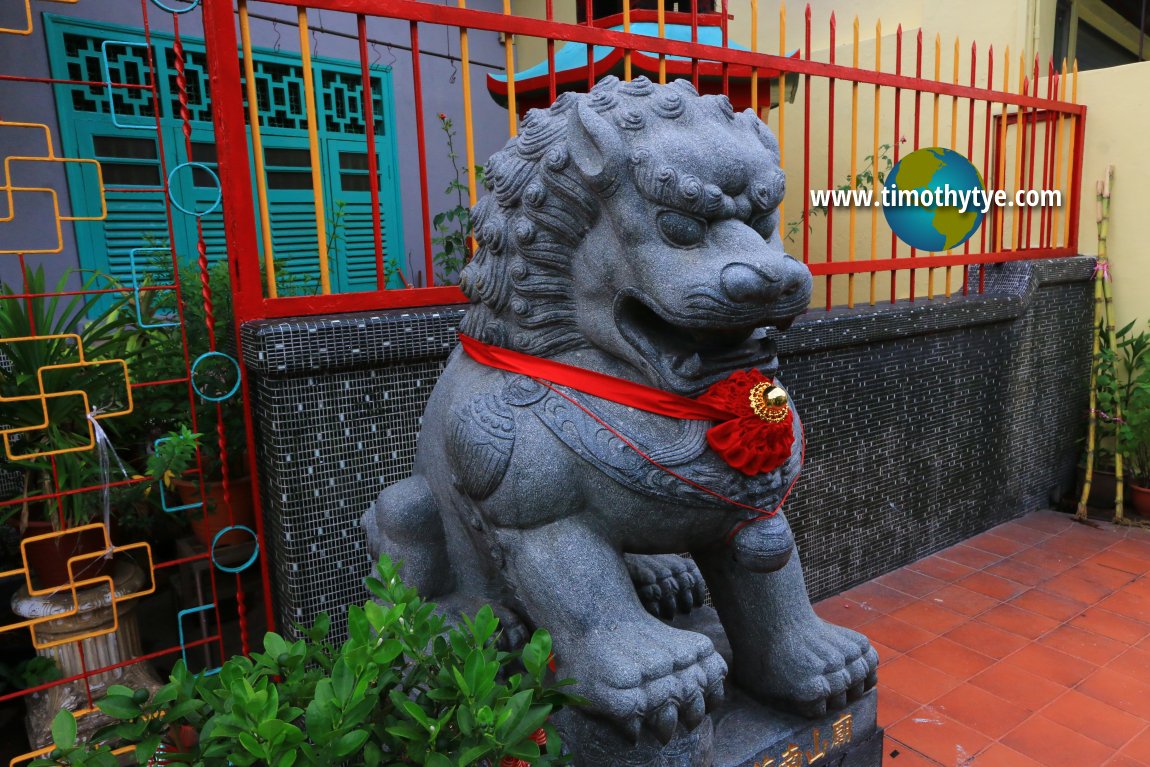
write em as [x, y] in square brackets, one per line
[438, 760]
[472, 755]
[64, 729]
[119, 707]
[350, 743]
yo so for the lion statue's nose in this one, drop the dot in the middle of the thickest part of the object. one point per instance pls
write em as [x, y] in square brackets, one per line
[746, 283]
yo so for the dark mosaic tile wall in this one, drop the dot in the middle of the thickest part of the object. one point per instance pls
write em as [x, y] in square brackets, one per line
[926, 423]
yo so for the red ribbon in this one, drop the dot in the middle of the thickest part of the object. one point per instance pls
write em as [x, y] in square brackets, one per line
[742, 439]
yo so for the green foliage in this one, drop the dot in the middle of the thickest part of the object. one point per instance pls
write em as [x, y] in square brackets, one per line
[174, 455]
[1123, 382]
[28, 673]
[873, 166]
[454, 224]
[406, 688]
[104, 330]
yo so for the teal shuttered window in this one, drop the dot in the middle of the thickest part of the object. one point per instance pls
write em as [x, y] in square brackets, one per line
[118, 127]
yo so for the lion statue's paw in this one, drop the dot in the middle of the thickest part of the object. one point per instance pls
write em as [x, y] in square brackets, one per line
[818, 669]
[649, 675]
[666, 583]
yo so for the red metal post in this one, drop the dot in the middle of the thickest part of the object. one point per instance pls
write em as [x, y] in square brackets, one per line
[372, 159]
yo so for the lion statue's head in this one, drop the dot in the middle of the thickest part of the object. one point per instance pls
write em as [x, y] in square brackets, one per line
[640, 220]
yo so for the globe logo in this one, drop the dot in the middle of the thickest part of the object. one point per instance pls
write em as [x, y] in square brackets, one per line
[922, 196]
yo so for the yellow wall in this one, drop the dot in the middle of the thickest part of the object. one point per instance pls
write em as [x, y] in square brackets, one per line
[1118, 113]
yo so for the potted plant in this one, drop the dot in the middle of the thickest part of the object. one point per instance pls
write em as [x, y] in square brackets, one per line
[209, 512]
[405, 688]
[50, 441]
[1133, 429]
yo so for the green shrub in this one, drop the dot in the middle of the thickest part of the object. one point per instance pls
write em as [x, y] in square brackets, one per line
[406, 688]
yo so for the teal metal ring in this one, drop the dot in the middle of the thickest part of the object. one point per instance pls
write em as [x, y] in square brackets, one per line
[160, 4]
[231, 392]
[250, 560]
[219, 189]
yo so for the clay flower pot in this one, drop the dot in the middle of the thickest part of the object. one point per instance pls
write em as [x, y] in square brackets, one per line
[1139, 499]
[48, 559]
[214, 515]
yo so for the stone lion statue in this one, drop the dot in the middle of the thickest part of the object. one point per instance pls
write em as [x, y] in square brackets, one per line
[631, 231]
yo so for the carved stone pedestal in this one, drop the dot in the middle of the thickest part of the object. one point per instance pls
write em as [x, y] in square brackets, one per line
[95, 613]
[739, 733]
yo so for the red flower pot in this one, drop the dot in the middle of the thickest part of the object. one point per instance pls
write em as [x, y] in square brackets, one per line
[48, 559]
[215, 514]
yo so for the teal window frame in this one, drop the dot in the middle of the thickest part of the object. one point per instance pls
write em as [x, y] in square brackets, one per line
[139, 218]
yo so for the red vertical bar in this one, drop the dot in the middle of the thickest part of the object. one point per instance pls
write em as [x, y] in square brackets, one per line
[421, 151]
[807, 147]
[589, 12]
[917, 110]
[969, 154]
[695, 39]
[1076, 177]
[830, 157]
[239, 218]
[372, 160]
[551, 89]
[726, 42]
[990, 183]
[1033, 146]
[897, 145]
[1047, 159]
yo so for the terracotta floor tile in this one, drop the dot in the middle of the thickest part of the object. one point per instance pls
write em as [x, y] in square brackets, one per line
[986, 639]
[844, 612]
[1134, 547]
[1094, 719]
[897, 634]
[1080, 550]
[992, 585]
[1019, 532]
[1050, 605]
[995, 544]
[893, 706]
[1103, 576]
[999, 755]
[897, 754]
[1127, 603]
[961, 600]
[1046, 521]
[1118, 760]
[916, 680]
[1018, 572]
[943, 569]
[969, 556]
[877, 597]
[1090, 647]
[1018, 686]
[1135, 662]
[1052, 561]
[1051, 664]
[910, 582]
[1071, 586]
[1021, 622]
[1113, 625]
[1053, 745]
[982, 711]
[885, 653]
[951, 658]
[1123, 562]
[1111, 684]
[937, 736]
[1138, 748]
[929, 616]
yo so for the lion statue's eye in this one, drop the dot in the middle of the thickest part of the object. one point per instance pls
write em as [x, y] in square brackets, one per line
[681, 230]
[764, 224]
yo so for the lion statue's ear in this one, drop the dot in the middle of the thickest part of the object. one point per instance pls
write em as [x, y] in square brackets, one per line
[596, 150]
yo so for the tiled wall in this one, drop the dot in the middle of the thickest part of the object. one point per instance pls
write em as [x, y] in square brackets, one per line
[926, 423]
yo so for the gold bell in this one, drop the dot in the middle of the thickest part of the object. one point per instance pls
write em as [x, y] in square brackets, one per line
[769, 402]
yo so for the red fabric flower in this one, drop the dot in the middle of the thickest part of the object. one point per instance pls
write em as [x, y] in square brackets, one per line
[746, 441]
